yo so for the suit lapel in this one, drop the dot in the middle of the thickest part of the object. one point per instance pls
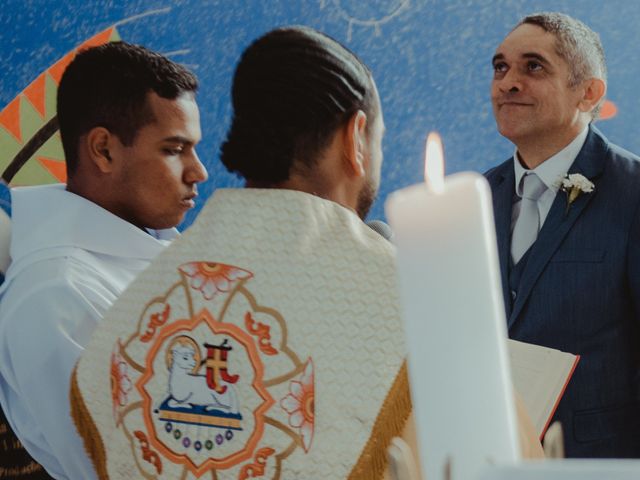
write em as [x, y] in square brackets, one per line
[590, 163]
[502, 187]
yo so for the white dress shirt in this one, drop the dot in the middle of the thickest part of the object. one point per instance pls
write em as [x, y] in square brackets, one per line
[71, 259]
[551, 172]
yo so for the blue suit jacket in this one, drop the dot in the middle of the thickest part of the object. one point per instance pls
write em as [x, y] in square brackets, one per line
[580, 293]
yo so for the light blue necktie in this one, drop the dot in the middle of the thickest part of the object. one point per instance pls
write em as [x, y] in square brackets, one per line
[527, 226]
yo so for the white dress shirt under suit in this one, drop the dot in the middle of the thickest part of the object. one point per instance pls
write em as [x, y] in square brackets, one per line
[551, 172]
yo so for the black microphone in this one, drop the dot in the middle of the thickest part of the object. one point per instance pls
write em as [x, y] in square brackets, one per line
[381, 228]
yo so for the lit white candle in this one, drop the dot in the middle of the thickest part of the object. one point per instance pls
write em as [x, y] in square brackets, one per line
[454, 320]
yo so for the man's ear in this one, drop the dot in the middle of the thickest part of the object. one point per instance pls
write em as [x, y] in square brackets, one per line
[594, 91]
[99, 142]
[355, 143]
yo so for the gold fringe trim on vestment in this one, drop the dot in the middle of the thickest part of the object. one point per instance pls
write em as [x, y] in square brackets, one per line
[84, 423]
[390, 422]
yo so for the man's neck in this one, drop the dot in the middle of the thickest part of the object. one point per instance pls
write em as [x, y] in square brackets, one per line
[74, 186]
[532, 153]
[314, 185]
[86, 188]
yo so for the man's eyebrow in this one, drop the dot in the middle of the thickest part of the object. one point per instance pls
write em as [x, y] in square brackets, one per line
[497, 56]
[527, 55]
[178, 139]
[536, 56]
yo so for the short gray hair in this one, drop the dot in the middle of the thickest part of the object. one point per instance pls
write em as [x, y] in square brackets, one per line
[577, 44]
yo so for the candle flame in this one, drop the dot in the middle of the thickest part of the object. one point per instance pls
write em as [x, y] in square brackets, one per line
[434, 163]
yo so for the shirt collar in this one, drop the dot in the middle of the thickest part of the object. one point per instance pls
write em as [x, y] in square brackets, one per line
[49, 216]
[552, 170]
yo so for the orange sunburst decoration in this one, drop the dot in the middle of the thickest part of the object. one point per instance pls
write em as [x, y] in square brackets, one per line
[30, 148]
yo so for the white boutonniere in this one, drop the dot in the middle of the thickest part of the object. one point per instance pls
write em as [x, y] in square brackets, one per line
[575, 185]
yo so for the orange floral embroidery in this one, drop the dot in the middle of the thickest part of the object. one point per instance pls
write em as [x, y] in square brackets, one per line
[212, 278]
[120, 382]
[156, 320]
[262, 331]
[299, 404]
[256, 469]
[148, 455]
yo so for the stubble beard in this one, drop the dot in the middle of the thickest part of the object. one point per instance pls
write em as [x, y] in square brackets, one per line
[366, 197]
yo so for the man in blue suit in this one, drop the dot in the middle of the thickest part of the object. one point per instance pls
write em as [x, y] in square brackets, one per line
[567, 220]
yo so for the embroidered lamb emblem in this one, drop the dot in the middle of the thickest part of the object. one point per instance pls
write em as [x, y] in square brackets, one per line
[189, 389]
[208, 371]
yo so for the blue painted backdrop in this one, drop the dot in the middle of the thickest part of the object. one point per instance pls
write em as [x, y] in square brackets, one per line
[431, 60]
